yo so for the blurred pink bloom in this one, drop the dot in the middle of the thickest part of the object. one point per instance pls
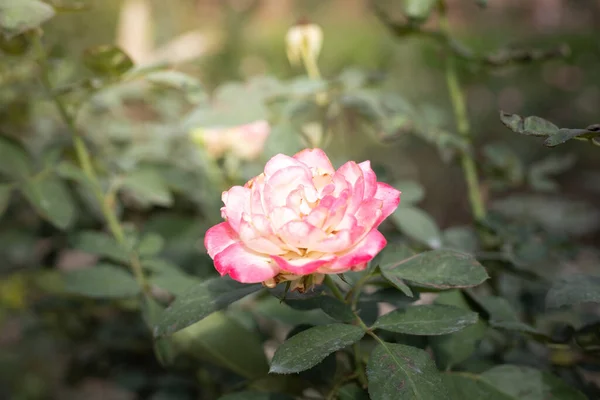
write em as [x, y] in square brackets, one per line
[301, 217]
[244, 141]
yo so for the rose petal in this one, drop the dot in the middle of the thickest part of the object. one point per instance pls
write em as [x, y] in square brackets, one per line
[315, 158]
[335, 243]
[364, 251]
[302, 265]
[390, 198]
[218, 238]
[369, 215]
[281, 161]
[370, 179]
[237, 201]
[282, 183]
[244, 265]
[261, 242]
[301, 234]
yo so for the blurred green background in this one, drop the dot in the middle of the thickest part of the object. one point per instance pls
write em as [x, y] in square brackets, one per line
[70, 356]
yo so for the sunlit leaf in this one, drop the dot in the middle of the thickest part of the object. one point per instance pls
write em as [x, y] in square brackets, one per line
[224, 341]
[201, 300]
[418, 225]
[18, 16]
[107, 60]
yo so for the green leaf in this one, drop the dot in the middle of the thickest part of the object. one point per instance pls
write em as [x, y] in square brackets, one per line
[552, 165]
[193, 89]
[273, 308]
[253, 395]
[18, 16]
[461, 238]
[149, 187]
[101, 281]
[150, 245]
[336, 309]
[176, 284]
[418, 10]
[418, 225]
[456, 347]
[574, 289]
[525, 383]
[431, 319]
[107, 60]
[200, 301]
[534, 126]
[101, 244]
[396, 371]
[440, 269]
[472, 387]
[14, 160]
[352, 391]
[391, 256]
[51, 200]
[412, 192]
[224, 341]
[310, 347]
[5, 193]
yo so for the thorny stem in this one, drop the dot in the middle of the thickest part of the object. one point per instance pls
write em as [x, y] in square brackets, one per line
[83, 155]
[462, 125]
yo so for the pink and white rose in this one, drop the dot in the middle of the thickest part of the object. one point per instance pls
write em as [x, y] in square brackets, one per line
[246, 142]
[301, 218]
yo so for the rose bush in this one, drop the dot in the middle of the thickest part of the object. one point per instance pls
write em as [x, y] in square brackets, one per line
[301, 217]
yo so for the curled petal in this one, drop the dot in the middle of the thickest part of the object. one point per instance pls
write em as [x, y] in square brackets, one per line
[301, 234]
[337, 242]
[218, 238]
[363, 252]
[282, 215]
[237, 201]
[257, 241]
[302, 265]
[282, 183]
[244, 265]
[370, 179]
[281, 161]
[390, 198]
[370, 215]
[315, 158]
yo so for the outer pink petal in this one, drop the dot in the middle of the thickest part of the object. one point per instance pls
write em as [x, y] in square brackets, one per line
[281, 161]
[364, 251]
[354, 176]
[315, 158]
[370, 179]
[237, 201]
[244, 265]
[218, 238]
[370, 215]
[390, 198]
[302, 265]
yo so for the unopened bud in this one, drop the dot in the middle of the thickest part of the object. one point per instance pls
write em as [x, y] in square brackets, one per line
[303, 40]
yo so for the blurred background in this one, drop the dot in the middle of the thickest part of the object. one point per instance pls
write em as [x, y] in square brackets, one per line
[53, 351]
